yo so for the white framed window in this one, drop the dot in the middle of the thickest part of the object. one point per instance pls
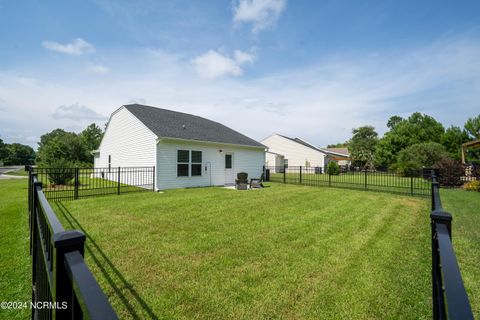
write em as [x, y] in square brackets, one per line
[189, 163]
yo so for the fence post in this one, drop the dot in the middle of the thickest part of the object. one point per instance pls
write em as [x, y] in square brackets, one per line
[300, 174]
[64, 242]
[411, 184]
[153, 184]
[329, 179]
[284, 172]
[118, 184]
[75, 184]
[365, 178]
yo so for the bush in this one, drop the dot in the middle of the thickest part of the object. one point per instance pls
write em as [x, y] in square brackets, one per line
[450, 172]
[333, 168]
[472, 186]
[418, 156]
[60, 171]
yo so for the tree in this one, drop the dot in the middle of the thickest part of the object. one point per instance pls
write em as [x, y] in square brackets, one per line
[3, 151]
[339, 145]
[452, 141]
[393, 122]
[415, 129]
[420, 155]
[362, 145]
[472, 126]
[91, 138]
[59, 144]
[20, 154]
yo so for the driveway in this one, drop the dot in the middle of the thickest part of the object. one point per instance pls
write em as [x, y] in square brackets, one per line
[5, 170]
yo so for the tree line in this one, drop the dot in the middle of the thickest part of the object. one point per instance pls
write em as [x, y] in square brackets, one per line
[58, 148]
[415, 142]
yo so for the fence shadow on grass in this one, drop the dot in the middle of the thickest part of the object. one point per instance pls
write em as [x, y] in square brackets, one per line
[115, 278]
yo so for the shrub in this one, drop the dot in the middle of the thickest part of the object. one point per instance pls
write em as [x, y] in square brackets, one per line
[60, 171]
[450, 172]
[333, 168]
[472, 186]
[418, 156]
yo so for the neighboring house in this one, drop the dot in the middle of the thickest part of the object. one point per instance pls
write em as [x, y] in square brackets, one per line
[340, 155]
[295, 151]
[275, 161]
[186, 150]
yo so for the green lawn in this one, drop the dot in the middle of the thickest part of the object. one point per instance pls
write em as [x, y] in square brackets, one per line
[15, 280]
[465, 209]
[287, 251]
[282, 252]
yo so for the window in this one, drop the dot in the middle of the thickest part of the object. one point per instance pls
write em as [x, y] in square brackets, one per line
[182, 163]
[196, 163]
[109, 162]
[189, 163]
[228, 161]
[285, 163]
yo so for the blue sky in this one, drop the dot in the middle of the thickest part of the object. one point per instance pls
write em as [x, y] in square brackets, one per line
[312, 69]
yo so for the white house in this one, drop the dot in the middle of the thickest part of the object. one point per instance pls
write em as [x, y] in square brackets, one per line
[295, 152]
[186, 150]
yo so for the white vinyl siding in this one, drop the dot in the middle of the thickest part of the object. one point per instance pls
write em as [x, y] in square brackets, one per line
[127, 142]
[296, 153]
[245, 159]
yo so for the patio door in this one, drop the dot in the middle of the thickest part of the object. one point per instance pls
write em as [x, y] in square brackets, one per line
[229, 175]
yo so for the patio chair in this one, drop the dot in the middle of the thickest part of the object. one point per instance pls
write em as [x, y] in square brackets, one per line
[241, 183]
[256, 183]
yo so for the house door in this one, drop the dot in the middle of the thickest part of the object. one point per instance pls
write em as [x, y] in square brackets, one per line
[229, 176]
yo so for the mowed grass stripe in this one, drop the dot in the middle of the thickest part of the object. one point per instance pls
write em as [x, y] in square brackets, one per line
[15, 279]
[282, 252]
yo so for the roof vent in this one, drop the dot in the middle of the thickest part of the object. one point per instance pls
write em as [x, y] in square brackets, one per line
[183, 126]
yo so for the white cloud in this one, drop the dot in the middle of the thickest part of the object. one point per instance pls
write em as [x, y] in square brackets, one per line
[98, 69]
[320, 102]
[214, 64]
[76, 48]
[76, 112]
[260, 13]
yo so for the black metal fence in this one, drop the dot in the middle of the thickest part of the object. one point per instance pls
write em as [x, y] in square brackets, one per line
[450, 300]
[74, 183]
[415, 183]
[62, 285]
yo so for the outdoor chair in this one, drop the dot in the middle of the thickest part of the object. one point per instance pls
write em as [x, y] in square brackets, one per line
[241, 183]
[256, 183]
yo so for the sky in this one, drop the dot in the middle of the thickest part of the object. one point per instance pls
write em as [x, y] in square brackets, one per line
[308, 69]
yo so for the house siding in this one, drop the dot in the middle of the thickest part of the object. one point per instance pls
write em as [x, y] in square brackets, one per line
[245, 159]
[127, 141]
[296, 153]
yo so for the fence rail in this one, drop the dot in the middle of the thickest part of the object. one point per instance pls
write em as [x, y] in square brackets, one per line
[74, 183]
[450, 300]
[415, 183]
[60, 277]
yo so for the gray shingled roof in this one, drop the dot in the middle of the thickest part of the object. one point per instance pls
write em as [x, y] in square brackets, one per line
[171, 124]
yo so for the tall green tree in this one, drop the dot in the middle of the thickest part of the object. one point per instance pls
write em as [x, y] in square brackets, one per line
[415, 129]
[472, 126]
[91, 137]
[452, 141]
[59, 144]
[362, 145]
